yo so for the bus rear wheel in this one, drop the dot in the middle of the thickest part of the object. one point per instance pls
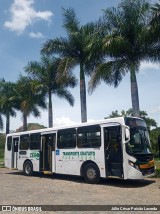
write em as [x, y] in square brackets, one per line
[91, 173]
[28, 168]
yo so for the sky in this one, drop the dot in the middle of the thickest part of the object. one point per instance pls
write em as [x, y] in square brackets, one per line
[24, 27]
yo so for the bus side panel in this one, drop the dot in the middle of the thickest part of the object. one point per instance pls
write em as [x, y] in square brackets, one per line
[95, 155]
[125, 163]
[20, 163]
[53, 161]
[23, 155]
[32, 155]
[69, 161]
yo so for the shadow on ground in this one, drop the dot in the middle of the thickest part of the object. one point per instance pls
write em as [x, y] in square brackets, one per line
[109, 181]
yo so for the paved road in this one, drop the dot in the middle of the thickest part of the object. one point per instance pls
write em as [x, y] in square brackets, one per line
[17, 189]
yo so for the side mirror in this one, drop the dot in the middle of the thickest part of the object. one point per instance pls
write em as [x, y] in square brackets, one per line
[127, 134]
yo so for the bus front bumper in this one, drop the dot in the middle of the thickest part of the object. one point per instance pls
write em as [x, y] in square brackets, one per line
[141, 174]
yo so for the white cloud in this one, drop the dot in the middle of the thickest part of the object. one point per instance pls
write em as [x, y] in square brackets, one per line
[155, 109]
[23, 14]
[63, 121]
[66, 121]
[37, 35]
[154, 113]
[149, 65]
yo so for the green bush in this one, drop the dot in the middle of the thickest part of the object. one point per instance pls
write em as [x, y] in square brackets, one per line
[154, 140]
[157, 173]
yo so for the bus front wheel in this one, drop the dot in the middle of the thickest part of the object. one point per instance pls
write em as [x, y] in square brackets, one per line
[28, 168]
[91, 173]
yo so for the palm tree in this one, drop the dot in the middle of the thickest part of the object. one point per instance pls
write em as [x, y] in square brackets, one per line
[154, 30]
[126, 46]
[46, 73]
[75, 50]
[7, 105]
[29, 97]
[156, 13]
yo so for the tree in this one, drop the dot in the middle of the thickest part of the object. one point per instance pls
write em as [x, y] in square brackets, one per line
[114, 114]
[78, 48]
[31, 126]
[7, 105]
[29, 97]
[46, 74]
[156, 14]
[1, 121]
[154, 133]
[125, 45]
[154, 31]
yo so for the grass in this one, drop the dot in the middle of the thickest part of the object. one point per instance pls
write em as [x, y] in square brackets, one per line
[1, 161]
[157, 163]
[1, 155]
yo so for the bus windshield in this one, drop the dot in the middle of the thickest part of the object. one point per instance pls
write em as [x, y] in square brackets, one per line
[139, 138]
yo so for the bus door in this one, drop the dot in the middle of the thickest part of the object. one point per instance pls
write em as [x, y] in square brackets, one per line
[47, 153]
[113, 151]
[8, 152]
[15, 143]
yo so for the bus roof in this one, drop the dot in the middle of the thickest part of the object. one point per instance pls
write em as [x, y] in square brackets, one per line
[119, 120]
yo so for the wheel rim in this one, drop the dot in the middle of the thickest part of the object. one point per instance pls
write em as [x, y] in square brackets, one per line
[91, 174]
[28, 169]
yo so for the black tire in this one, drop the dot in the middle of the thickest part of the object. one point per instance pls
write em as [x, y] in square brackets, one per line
[91, 173]
[28, 168]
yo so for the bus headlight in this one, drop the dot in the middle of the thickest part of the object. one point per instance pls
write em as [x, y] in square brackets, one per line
[133, 165]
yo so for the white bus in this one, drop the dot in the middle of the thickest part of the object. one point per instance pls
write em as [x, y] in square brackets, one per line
[116, 147]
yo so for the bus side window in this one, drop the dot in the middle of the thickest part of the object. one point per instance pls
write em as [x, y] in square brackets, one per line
[89, 137]
[24, 142]
[66, 138]
[9, 143]
[35, 141]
